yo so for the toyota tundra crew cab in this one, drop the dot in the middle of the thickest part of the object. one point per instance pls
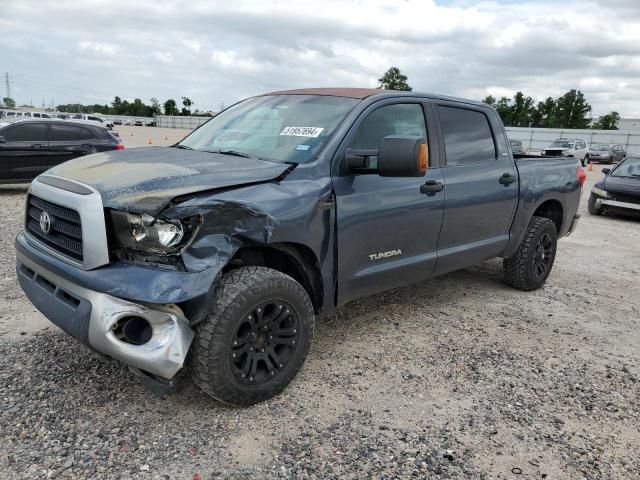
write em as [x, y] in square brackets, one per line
[220, 251]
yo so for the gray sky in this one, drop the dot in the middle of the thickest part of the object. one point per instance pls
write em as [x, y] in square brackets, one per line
[217, 52]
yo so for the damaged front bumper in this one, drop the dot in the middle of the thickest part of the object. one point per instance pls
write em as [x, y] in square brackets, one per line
[96, 318]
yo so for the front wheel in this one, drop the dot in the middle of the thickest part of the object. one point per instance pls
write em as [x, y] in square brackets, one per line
[530, 266]
[255, 338]
[591, 206]
[585, 161]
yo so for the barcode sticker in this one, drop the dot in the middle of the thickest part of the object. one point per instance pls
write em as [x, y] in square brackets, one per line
[311, 132]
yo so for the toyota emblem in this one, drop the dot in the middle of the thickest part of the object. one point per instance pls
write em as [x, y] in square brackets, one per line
[45, 222]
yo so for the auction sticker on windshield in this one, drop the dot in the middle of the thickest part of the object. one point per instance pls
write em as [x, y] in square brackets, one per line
[312, 132]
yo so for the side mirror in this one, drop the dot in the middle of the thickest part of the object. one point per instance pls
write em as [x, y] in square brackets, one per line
[2, 139]
[606, 170]
[398, 156]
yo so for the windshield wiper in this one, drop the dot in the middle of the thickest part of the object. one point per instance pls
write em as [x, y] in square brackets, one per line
[183, 147]
[235, 153]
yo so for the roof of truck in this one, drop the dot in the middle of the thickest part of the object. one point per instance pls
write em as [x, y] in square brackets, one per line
[362, 93]
[333, 92]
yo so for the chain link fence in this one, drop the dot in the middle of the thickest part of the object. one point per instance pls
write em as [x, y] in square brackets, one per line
[536, 139]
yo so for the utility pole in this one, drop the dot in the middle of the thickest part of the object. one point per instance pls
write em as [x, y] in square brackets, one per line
[6, 79]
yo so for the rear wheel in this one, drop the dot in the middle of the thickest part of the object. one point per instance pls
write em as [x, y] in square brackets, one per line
[592, 207]
[255, 338]
[530, 266]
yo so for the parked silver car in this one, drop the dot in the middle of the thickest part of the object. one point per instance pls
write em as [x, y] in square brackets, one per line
[605, 153]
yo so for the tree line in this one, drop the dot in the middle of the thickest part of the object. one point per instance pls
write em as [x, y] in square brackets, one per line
[137, 108]
[570, 110]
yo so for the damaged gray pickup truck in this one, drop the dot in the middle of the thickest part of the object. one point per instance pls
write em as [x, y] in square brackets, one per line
[219, 252]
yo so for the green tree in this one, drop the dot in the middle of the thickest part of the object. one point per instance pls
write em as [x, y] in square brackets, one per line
[186, 109]
[154, 109]
[490, 100]
[9, 102]
[544, 114]
[521, 110]
[571, 110]
[503, 107]
[117, 106]
[607, 122]
[393, 79]
[170, 107]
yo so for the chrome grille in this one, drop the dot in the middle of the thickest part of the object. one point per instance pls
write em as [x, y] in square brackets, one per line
[65, 234]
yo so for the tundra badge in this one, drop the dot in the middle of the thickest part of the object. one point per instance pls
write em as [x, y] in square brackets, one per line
[379, 255]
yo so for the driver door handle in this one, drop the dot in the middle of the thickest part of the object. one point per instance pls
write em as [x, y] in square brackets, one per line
[430, 187]
[507, 179]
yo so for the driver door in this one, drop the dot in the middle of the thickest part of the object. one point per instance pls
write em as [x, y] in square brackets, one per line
[387, 230]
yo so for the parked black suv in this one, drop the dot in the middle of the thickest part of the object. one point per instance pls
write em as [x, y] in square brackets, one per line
[29, 147]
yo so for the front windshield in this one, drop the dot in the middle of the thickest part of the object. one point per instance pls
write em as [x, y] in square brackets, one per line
[561, 144]
[600, 146]
[629, 168]
[284, 128]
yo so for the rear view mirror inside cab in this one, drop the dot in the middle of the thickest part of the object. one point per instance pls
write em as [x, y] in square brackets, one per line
[398, 156]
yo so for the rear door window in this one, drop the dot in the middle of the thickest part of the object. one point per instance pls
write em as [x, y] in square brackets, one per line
[69, 133]
[26, 132]
[467, 136]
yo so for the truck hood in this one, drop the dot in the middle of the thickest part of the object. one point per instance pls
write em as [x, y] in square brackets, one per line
[626, 185]
[145, 180]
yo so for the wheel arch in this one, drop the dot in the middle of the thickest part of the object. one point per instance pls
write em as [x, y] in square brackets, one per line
[293, 259]
[553, 210]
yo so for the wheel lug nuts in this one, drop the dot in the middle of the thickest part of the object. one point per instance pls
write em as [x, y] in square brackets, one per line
[233, 355]
[251, 379]
[281, 365]
[262, 350]
[235, 342]
[270, 337]
[272, 373]
[294, 330]
[243, 375]
[251, 348]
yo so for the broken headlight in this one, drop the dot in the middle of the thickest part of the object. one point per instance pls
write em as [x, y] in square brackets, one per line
[148, 234]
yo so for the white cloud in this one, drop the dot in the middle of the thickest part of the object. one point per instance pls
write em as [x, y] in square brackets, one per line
[99, 48]
[461, 47]
[192, 45]
[163, 57]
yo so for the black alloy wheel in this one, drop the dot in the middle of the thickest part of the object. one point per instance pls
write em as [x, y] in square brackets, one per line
[264, 342]
[543, 255]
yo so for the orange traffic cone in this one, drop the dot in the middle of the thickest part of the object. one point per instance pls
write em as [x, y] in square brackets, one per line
[149, 142]
[590, 167]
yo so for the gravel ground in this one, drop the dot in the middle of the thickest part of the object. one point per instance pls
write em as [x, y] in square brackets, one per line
[459, 377]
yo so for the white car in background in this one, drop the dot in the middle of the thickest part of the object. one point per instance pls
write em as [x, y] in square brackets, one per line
[16, 115]
[568, 147]
[94, 119]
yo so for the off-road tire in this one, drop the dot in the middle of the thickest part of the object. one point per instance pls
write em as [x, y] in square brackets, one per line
[591, 206]
[519, 270]
[237, 295]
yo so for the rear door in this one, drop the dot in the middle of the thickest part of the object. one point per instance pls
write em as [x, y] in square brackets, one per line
[68, 141]
[23, 154]
[387, 230]
[481, 187]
